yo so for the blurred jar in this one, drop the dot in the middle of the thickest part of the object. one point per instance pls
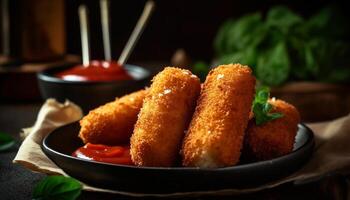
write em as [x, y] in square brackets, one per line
[32, 30]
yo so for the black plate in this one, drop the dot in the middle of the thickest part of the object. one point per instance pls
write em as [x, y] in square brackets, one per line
[60, 144]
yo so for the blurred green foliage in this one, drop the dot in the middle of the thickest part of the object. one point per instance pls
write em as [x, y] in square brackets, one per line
[201, 69]
[284, 46]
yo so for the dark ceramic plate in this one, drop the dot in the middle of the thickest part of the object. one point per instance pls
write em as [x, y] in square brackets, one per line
[60, 144]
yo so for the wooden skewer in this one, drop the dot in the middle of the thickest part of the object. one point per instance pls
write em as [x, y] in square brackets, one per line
[84, 34]
[104, 8]
[135, 35]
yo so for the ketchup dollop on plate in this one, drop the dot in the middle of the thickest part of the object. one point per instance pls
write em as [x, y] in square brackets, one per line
[96, 71]
[104, 153]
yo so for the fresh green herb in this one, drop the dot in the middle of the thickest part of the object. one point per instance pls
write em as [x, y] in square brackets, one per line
[283, 46]
[274, 66]
[201, 69]
[6, 141]
[57, 188]
[262, 109]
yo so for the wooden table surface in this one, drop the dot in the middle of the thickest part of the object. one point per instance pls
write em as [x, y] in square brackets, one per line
[16, 182]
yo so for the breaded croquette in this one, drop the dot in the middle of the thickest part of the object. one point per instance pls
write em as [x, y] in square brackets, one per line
[165, 114]
[112, 123]
[274, 138]
[215, 135]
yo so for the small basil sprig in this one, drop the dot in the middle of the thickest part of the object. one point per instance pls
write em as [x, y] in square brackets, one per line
[261, 108]
[57, 188]
[6, 141]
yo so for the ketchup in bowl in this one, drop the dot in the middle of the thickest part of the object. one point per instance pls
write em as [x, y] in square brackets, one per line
[96, 71]
[104, 153]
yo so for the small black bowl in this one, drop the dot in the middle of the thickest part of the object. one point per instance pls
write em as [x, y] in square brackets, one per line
[62, 142]
[90, 94]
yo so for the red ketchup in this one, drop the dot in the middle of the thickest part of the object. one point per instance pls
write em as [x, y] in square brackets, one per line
[104, 153]
[96, 71]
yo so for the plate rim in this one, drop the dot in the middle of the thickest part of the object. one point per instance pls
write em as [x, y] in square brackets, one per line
[309, 142]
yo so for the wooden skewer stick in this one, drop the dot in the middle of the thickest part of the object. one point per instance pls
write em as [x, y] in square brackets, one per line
[104, 8]
[84, 34]
[135, 35]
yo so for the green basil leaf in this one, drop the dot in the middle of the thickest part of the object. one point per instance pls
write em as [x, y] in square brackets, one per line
[316, 47]
[57, 188]
[273, 67]
[245, 32]
[275, 115]
[282, 19]
[261, 108]
[222, 36]
[245, 57]
[319, 21]
[310, 61]
[329, 22]
[262, 95]
[231, 58]
[6, 141]
[201, 69]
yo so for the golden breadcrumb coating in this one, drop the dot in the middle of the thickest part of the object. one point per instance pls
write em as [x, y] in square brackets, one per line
[112, 123]
[165, 114]
[215, 135]
[274, 138]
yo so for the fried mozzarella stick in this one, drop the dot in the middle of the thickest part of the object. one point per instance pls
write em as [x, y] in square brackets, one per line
[112, 123]
[215, 135]
[165, 114]
[274, 138]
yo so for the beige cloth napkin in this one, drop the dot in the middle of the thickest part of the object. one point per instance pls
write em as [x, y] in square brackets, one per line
[332, 150]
